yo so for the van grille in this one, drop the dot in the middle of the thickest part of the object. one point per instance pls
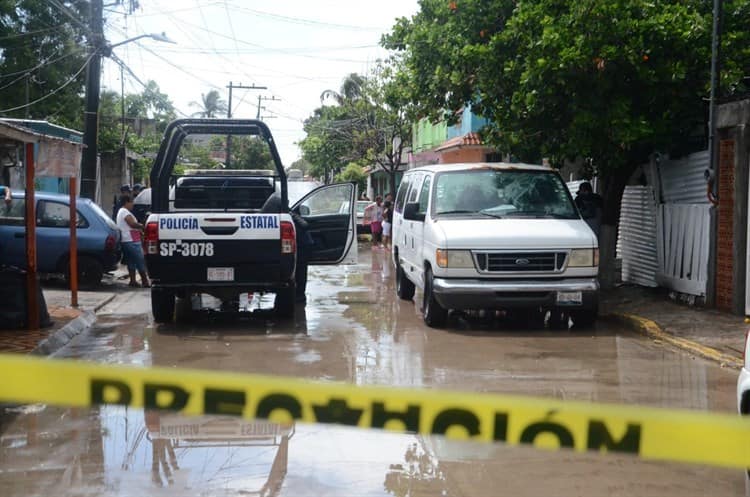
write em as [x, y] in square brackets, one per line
[520, 262]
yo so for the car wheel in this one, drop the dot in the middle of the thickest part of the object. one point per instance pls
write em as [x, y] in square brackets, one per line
[584, 318]
[90, 272]
[284, 302]
[433, 313]
[404, 286]
[162, 305]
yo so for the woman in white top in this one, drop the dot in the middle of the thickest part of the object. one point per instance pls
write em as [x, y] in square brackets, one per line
[131, 242]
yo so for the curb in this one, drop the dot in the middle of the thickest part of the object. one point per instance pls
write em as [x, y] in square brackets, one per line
[64, 335]
[651, 329]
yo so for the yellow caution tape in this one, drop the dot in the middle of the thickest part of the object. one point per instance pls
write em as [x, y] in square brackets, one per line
[649, 433]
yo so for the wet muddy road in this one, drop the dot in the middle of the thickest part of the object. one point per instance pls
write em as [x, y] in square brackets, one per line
[354, 329]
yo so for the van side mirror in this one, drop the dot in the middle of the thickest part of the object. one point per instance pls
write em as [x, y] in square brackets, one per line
[411, 212]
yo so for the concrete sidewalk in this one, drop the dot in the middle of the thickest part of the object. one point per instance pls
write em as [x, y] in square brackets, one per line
[708, 333]
[67, 321]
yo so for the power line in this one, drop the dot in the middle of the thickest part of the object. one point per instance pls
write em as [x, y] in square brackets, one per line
[70, 80]
[30, 33]
[132, 74]
[311, 22]
[24, 72]
[62, 8]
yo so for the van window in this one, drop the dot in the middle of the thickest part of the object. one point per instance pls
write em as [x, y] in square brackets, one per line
[401, 195]
[414, 189]
[503, 193]
[424, 196]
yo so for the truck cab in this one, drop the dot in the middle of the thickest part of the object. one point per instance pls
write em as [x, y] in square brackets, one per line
[224, 232]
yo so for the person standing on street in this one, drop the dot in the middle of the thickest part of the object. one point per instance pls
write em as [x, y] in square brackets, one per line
[137, 188]
[124, 190]
[375, 216]
[131, 229]
[387, 223]
[591, 205]
[5, 192]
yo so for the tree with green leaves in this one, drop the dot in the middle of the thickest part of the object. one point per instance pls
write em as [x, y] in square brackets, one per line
[42, 61]
[211, 105]
[369, 123]
[251, 152]
[387, 115]
[328, 144]
[151, 106]
[607, 82]
[353, 172]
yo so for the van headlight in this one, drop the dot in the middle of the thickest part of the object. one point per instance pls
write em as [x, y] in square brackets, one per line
[454, 258]
[584, 258]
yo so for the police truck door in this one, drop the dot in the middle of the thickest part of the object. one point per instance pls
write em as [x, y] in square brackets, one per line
[330, 215]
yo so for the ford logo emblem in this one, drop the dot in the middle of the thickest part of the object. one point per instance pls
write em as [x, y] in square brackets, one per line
[522, 262]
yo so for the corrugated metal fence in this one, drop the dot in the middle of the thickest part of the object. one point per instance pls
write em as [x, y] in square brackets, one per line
[664, 239]
[682, 247]
[682, 180]
[637, 236]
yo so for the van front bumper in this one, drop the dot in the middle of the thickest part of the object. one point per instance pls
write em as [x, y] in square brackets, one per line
[468, 294]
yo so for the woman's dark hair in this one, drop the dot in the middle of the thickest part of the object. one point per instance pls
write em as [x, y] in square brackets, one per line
[124, 199]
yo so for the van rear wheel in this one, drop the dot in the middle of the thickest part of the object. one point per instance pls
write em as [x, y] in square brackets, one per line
[433, 313]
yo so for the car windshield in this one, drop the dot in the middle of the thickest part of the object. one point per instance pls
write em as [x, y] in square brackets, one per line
[503, 193]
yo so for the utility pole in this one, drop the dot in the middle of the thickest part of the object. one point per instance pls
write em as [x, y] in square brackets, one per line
[263, 99]
[228, 159]
[91, 115]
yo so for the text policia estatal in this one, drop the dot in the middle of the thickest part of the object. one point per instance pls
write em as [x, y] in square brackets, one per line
[373, 415]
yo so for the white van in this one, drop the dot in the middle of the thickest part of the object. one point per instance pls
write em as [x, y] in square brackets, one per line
[493, 236]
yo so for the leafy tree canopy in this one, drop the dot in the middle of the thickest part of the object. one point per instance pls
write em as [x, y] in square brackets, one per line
[607, 81]
[43, 50]
[368, 123]
[353, 172]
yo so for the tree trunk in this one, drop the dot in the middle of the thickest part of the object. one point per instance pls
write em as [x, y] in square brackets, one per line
[392, 177]
[612, 188]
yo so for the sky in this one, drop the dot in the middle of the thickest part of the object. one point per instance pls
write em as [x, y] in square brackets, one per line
[295, 48]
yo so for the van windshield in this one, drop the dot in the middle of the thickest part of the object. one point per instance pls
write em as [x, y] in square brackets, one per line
[503, 193]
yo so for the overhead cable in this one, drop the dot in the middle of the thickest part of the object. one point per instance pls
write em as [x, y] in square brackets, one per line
[53, 92]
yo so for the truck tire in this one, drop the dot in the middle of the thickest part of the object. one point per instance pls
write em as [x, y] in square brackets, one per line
[284, 302]
[162, 305]
[404, 286]
[183, 310]
[433, 313]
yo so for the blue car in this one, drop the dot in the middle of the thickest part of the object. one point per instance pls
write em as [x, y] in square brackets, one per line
[98, 237]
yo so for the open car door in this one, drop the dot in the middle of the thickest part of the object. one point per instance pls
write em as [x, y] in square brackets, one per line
[330, 214]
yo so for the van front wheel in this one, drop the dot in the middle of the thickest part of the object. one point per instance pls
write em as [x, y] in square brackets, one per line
[433, 313]
[404, 286]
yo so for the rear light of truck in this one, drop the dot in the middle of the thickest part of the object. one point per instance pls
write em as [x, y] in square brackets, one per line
[288, 240]
[151, 240]
[110, 243]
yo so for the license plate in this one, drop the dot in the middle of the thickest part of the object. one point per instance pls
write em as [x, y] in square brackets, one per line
[221, 274]
[569, 298]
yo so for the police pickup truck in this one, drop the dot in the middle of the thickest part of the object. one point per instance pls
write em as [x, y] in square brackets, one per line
[218, 232]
